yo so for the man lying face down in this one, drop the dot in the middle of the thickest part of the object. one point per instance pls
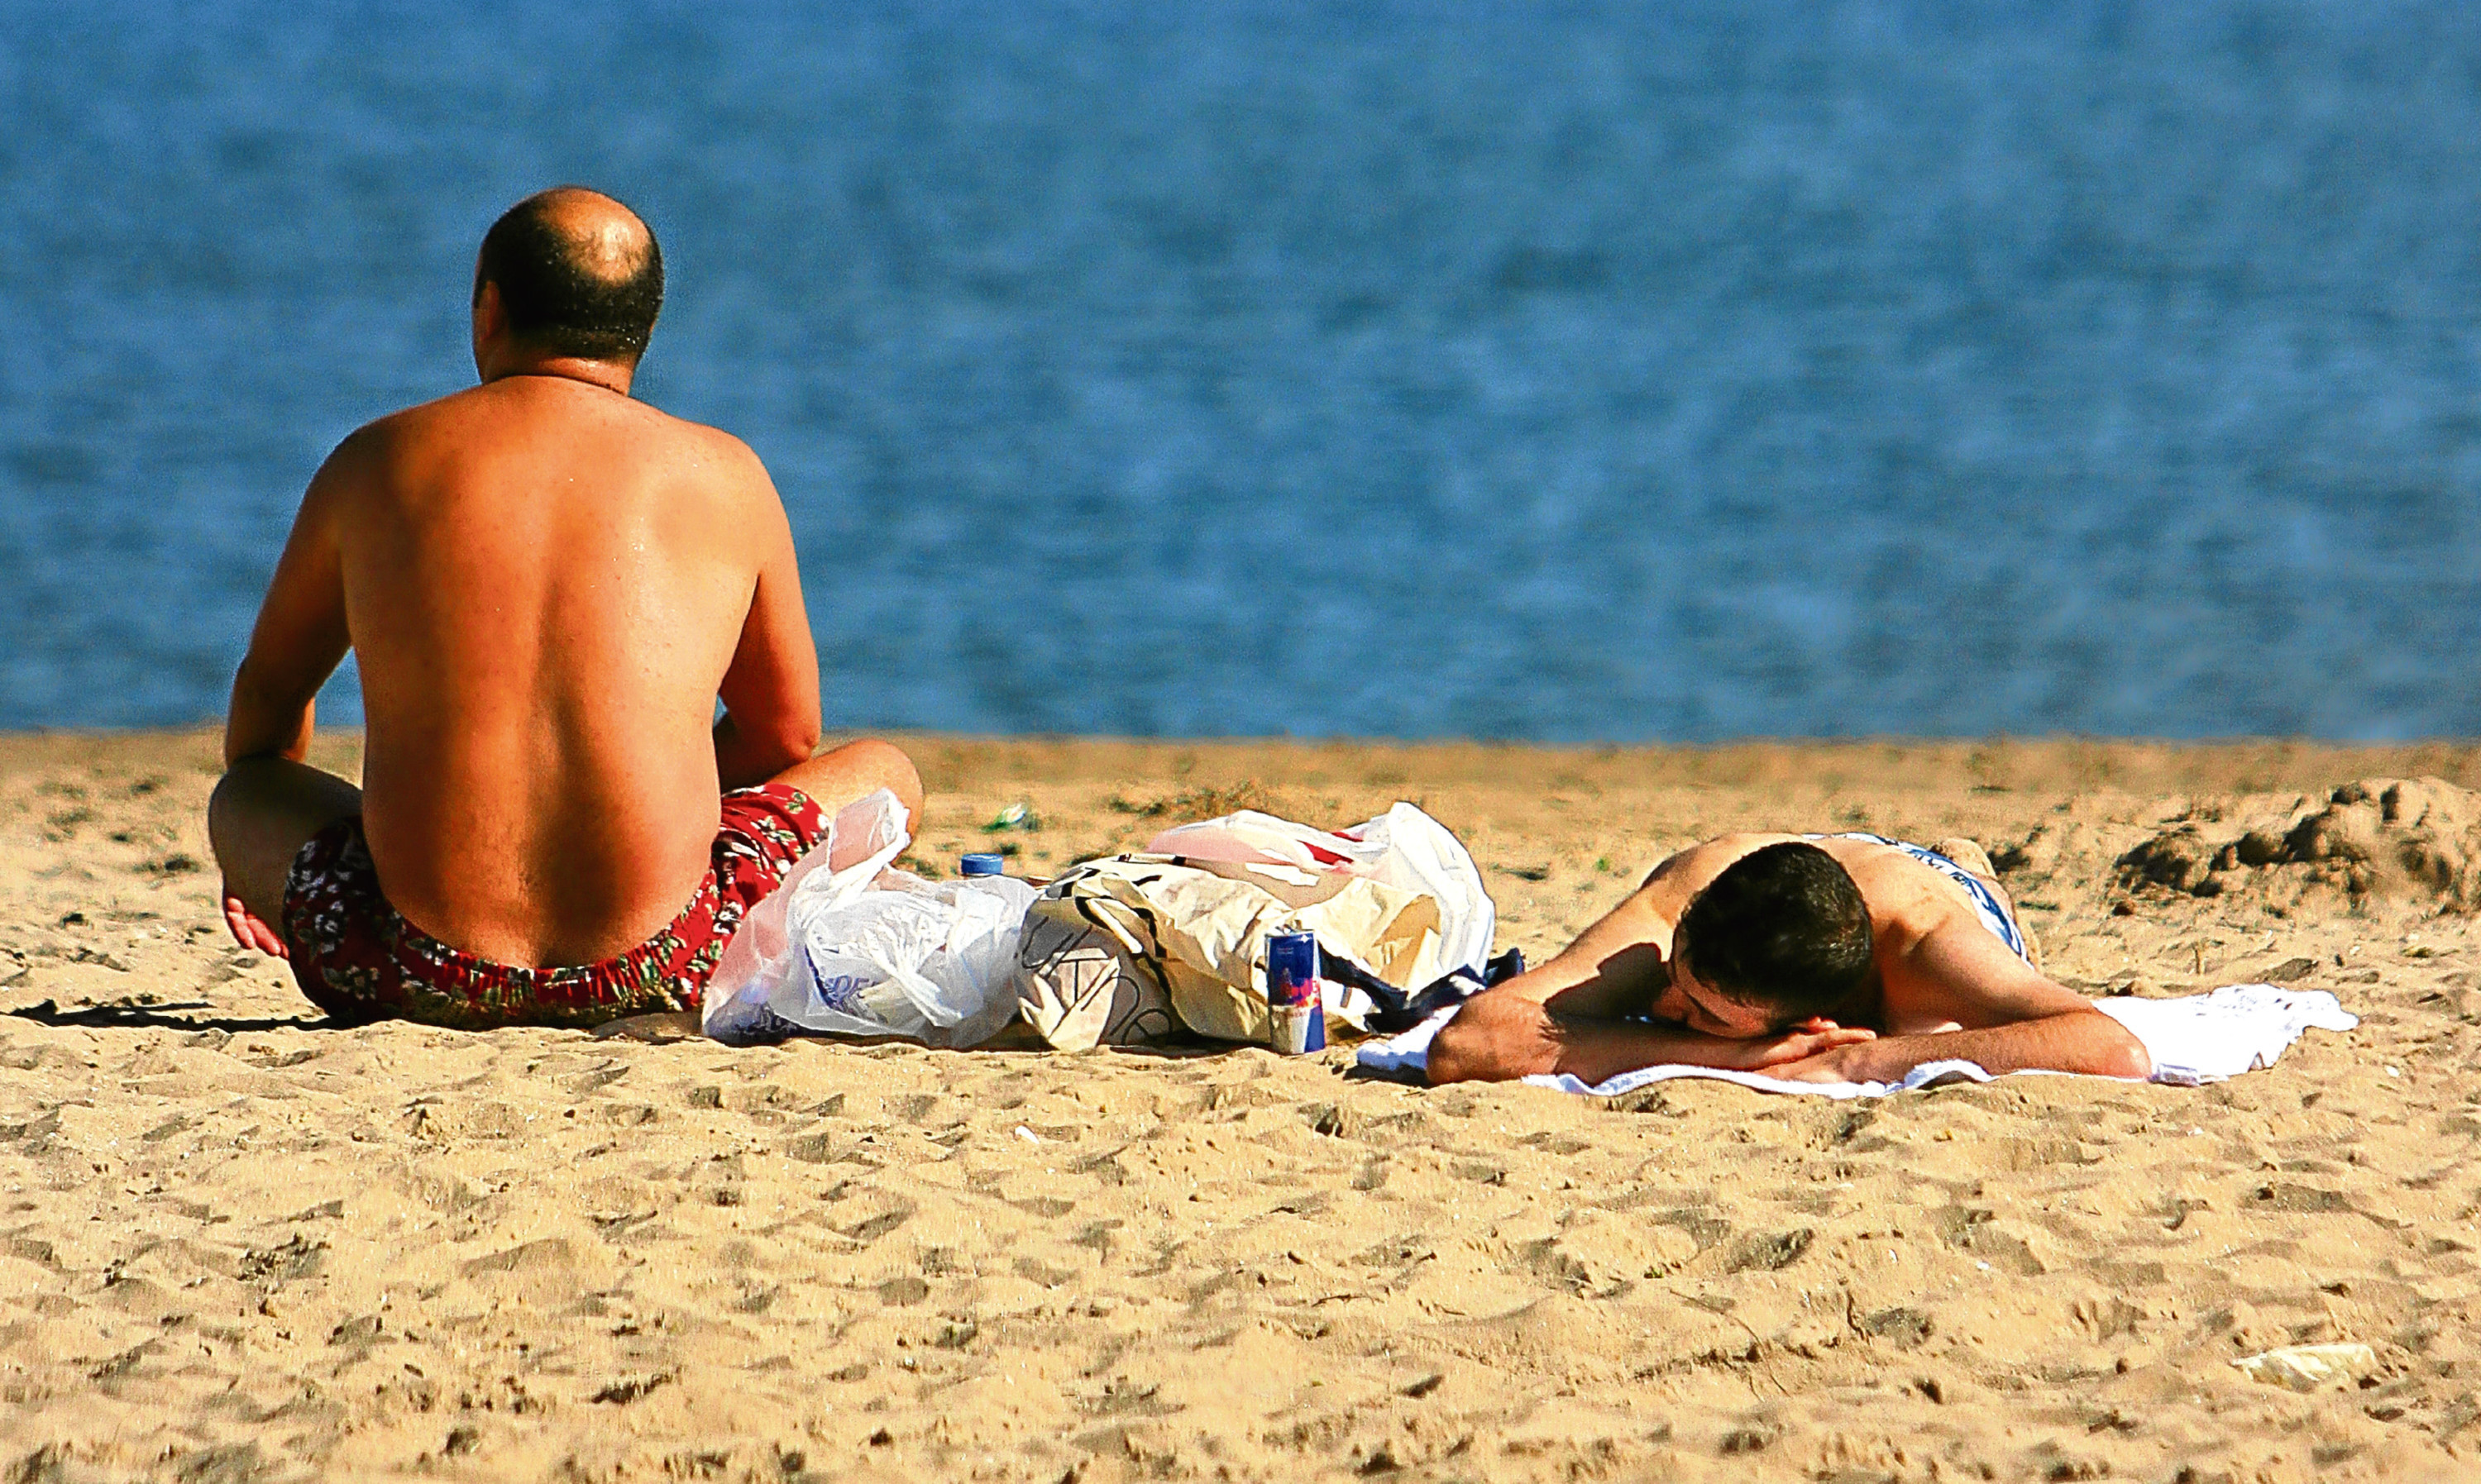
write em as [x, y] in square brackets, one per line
[1819, 958]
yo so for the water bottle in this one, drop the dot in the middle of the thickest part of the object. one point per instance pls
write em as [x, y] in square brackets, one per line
[986, 873]
[990, 923]
[1295, 1010]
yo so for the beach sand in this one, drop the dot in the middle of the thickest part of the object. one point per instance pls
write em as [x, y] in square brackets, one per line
[235, 1245]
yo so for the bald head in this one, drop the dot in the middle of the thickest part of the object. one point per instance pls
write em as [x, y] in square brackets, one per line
[578, 274]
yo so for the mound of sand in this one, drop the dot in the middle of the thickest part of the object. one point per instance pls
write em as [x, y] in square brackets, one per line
[2419, 838]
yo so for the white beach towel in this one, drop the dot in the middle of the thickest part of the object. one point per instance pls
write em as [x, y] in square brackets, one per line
[2241, 1027]
[2194, 1039]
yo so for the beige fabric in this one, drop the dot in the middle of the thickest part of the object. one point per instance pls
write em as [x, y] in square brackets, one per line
[1113, 941]
[1082, 980]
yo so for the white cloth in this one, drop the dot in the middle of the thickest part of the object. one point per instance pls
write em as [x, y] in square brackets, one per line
[2241, 1027]
[2195, 1039]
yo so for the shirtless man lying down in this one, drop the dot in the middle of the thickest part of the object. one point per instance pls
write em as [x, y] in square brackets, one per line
[549, 585]
[1811, 958]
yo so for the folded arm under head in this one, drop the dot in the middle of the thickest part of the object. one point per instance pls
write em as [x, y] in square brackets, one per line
[1585, 1011]
[1954, 992]
[1752, 952]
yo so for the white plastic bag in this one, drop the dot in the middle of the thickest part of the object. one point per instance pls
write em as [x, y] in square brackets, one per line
[850, 946]
[1403, 848]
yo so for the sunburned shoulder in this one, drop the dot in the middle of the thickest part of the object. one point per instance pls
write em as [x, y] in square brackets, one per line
[407, 432]
[367, 453]
[464, 401]
[729, 453]
[711, 450]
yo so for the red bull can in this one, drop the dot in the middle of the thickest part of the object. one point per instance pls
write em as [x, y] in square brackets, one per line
[1296, 1008]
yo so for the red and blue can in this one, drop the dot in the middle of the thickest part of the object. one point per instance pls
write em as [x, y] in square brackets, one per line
[1295, 1007]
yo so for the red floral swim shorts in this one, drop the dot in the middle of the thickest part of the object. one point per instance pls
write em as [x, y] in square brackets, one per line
[358, 959]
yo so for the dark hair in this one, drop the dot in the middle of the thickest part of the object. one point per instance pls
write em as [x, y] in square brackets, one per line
[1783, 928]
[559, 297]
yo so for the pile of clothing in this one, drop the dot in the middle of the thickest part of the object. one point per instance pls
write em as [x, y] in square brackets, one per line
[1125, 950]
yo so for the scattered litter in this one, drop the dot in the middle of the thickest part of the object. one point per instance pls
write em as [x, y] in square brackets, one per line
[1028, 1134]
[2309, 1367]
[1016, 815]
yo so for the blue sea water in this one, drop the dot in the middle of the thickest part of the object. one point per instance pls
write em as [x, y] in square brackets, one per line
[1557, 371]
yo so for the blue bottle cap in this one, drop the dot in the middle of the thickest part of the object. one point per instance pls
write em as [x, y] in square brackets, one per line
[982, 864]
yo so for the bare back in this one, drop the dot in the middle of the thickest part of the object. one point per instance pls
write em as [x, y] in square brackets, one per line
[1936, 966]
[1910, 905]
[547, 583]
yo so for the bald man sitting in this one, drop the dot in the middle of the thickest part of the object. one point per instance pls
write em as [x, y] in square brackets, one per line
[549, 585]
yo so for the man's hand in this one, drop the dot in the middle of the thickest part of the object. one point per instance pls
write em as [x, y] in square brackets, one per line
[1833, 1064]
[250, 929]
[1809, 1041]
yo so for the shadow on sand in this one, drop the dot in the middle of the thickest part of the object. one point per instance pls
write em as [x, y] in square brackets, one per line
[121, 1014]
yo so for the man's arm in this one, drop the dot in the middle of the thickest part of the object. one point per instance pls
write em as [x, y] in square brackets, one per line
[2084, 1040]
[300, 638]
[2005, 1017]
[300, 635]
[771, 693]
[1500, 1036]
